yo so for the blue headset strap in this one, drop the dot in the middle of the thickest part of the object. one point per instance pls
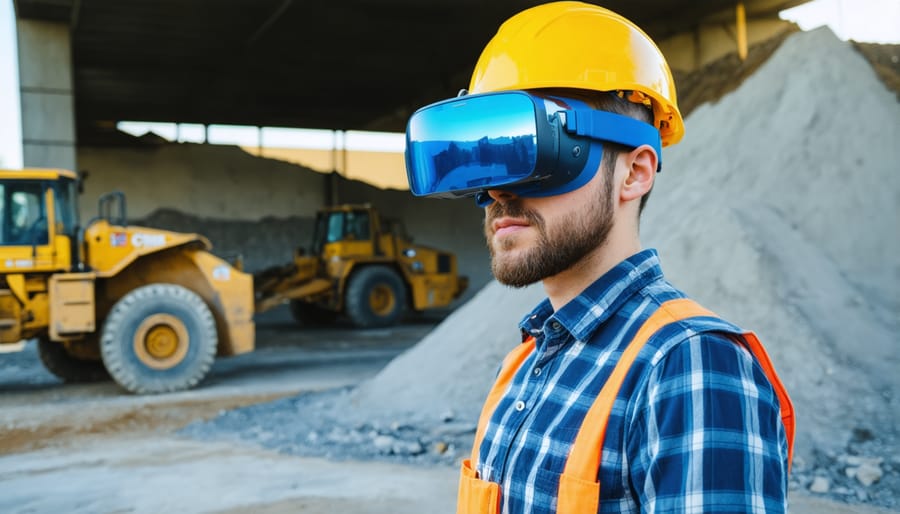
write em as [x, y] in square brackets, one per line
[615, 128]
[581, 120]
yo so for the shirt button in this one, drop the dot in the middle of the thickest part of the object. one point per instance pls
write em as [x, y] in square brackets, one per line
[537, 372]
[555, 325]
[520, 405]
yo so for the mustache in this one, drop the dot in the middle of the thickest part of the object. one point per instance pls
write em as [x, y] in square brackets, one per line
[513, 209]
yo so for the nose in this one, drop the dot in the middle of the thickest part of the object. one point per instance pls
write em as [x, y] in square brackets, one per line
[499, 195]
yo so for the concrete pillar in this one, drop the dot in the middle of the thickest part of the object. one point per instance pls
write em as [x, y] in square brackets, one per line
[46, 92]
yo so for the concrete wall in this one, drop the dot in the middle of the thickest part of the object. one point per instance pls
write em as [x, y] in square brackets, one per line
[689, 51]
[263, 208]
[45, 82]
[385, 170]
[207, 181]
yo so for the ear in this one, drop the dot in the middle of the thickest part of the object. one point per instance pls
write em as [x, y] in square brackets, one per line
[641, 164]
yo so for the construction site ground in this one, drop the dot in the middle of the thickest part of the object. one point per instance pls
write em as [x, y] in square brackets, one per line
[95, 449]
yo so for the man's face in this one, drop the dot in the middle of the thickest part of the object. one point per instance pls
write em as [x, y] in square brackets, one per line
[531, 239]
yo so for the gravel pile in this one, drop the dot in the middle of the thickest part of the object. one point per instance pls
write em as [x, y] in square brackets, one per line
[787, 199]
[865, 471]
[422, 407]
[260, 244]
[324, 424]
[779, 211]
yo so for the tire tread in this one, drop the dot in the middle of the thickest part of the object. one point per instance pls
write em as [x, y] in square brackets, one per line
[113, 329]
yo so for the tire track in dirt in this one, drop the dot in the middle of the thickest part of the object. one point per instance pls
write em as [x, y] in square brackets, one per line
[70, 422]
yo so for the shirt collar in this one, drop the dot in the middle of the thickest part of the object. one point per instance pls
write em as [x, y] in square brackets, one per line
[584, 313]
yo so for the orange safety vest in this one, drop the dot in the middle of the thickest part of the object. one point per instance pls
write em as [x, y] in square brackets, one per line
[579, 490]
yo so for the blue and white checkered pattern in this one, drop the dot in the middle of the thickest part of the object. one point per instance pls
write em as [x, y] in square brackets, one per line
[696, 426]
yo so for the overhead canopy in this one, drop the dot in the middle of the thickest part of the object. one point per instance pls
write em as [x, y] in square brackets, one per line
[343, 64]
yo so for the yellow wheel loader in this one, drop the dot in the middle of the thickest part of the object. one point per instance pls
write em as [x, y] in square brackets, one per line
[363, 266]
[151, 308]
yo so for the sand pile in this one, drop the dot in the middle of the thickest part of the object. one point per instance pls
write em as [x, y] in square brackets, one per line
[786, 203]
[449, 372]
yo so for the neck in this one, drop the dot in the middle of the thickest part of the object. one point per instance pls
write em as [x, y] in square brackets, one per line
[622, 243]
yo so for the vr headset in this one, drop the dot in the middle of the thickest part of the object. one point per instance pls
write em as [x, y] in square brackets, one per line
[529, 144]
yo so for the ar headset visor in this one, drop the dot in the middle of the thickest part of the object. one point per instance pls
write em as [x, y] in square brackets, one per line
[515, 141]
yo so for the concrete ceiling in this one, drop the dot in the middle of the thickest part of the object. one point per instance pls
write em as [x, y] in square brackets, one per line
[342, 64]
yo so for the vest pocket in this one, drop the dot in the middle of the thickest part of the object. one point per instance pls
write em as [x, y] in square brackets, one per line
[577, 496]
[476, 496]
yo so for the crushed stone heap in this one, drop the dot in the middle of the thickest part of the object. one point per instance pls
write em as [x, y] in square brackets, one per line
[780, 212]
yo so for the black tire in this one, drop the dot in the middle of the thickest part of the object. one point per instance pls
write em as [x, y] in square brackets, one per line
[311, 314]
[375, 297]
[69, 368]
[159, 338]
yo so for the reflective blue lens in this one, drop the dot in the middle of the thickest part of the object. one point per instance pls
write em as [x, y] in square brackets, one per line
[466, 144]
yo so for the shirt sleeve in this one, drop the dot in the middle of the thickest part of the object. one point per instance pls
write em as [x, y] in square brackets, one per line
[707, 435]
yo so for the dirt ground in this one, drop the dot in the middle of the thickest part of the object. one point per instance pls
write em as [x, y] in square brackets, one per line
[94, 449]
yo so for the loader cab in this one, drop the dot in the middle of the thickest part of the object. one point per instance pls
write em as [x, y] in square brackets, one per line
[38, 221]
[343, 232]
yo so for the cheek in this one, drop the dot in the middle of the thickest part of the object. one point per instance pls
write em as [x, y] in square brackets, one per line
[574, 202]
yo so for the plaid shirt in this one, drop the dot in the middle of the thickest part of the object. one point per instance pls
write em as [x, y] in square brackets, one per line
[696, 426]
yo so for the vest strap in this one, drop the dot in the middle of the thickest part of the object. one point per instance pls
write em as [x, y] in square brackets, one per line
[585, 454]
[787, 408]
[511, 363]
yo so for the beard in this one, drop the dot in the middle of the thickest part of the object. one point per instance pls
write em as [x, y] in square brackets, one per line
[559, 246]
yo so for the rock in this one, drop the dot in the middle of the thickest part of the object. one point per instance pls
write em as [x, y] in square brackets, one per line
[868, 474]
[384, 444]
[851, 472]
[820, 485]
[387, 445]
[455, 429]
[440, 447]
[339, 436]
[407, 448]
[856, 460]
[862, 434]
[398, 426]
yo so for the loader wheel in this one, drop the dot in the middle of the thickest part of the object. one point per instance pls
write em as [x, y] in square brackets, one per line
[311, 314]
[376, 297]
[159, 338]
[68, 367]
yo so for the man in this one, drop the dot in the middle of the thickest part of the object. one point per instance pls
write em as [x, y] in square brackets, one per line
[624, 396]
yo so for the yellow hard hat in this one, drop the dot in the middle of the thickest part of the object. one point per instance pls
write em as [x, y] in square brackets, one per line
[582, 46]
